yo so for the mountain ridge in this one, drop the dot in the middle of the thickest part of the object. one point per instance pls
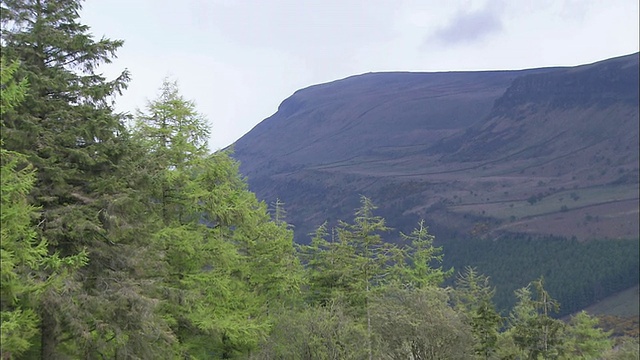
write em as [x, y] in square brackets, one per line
[460, 144]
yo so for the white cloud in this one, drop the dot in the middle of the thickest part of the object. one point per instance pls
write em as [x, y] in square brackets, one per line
[239, 59]
[469, 26]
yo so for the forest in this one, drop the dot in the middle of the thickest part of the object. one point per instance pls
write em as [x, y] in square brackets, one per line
[124, 237]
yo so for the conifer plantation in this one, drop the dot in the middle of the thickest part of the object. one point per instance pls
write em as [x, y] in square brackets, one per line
[124, 237]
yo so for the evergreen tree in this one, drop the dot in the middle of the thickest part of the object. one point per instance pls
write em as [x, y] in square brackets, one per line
[421, 256]
[533, 330]
[67, 129]
[23, 251]
[225, 265]
[355, 264]
[583, 339]
[329, 270]
[473, 297]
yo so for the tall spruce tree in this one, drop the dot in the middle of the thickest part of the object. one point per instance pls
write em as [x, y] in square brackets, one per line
[67, 129]
[353, 266]
[23, 252]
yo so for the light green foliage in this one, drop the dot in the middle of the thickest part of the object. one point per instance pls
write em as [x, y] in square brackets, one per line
[536, 334]
[24, 253]
[473, 297]
[583, 339]
[12, 92]
[422, 256]
[419, 324]
[225, 265]
[138, 243]
[65, 126]
[627, 348]
[317, 332]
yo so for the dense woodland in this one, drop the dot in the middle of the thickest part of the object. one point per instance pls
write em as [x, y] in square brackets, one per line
[123, 237]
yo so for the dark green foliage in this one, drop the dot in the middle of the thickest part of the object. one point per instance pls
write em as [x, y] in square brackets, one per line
[531, 326]
[66, 128]
[577, 273]
[473, 297]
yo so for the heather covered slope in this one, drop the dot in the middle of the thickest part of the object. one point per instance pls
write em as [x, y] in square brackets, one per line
[544, 151]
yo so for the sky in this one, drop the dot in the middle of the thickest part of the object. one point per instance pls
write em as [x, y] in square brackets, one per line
[238, 60]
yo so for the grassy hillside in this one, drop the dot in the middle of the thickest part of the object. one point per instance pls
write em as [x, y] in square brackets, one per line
[623, 304]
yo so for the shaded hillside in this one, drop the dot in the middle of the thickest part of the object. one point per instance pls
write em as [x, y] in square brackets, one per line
[363, 114]
[545, 151]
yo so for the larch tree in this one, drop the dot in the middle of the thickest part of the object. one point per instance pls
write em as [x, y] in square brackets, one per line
[225, 265]
[584, 340]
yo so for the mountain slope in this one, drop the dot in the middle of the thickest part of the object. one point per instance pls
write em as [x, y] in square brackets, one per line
[542, 151]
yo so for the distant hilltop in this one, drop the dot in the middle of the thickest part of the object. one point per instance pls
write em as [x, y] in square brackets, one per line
[541, 151]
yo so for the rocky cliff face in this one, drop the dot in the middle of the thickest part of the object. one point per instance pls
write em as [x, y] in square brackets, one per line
[536, 151]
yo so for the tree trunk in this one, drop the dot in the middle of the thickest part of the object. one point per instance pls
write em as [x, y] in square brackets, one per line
[369, 324]
[48, 337]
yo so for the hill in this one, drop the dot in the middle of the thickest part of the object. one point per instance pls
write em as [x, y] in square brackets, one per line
[543, 151]
[518, 173]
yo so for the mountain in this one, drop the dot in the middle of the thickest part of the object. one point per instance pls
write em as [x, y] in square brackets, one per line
[551, 151]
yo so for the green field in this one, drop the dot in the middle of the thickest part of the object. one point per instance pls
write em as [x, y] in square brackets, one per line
[572, 199]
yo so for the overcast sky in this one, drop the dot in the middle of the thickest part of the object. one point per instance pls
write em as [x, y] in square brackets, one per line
[238, 60]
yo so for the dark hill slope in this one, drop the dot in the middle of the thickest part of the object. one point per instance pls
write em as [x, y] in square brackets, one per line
[352, 117]
[544, 151]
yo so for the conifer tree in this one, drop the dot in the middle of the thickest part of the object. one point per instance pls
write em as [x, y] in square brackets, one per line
[225, 265]
[67, 129]
[24, 250]
[584, 340]
[533, 330]
[473, 297]
[421, 255]
[20, 250]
